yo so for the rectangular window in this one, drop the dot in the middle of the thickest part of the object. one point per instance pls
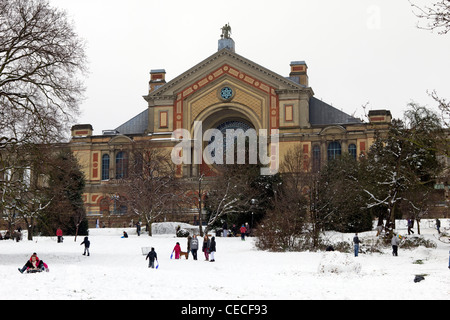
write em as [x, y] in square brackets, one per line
[289, 113]
[105, 167]
[163, 119]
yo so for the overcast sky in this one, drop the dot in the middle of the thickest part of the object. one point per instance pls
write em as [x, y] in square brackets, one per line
[357, 51]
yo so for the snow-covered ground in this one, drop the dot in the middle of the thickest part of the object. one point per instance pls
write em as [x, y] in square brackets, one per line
[117, 269]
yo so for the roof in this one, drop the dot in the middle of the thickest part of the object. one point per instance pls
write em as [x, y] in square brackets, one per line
[321, 113]
[136, 125]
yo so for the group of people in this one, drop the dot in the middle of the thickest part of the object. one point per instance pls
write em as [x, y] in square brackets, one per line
[208, 247]
[395, 242]
[16, 235]
[244, 230]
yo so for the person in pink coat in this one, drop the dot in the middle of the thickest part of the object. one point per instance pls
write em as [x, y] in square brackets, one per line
[177, 250]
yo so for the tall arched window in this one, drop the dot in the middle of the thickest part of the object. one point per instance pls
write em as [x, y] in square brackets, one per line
[334, 150]
[352, 150]
[105, 167]
[316, 158]
[122, 165]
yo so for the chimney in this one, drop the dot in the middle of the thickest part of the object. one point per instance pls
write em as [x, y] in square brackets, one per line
[299, 73]
[82, 130]
[157, 79]
[380, 116]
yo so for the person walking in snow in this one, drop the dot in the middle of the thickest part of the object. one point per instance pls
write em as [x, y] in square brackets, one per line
[194, 246]
[356, 243]
[247, 229]
[205, 247]
[225, 229]
[410, 226]
[233, 230]
[138, 228]
[87, 244]
[243, 231]
[177, 250]
[395, 242]
[152, 256]
[212, 248]
[438, 225]
[59, 234]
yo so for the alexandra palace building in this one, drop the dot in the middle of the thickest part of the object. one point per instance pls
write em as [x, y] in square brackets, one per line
[225, 90]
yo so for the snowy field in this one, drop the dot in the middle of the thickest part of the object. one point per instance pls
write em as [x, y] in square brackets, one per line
[117, 269]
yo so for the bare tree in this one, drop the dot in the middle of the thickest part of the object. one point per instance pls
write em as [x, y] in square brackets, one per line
[240, 192]
[437, 16]
[41, 62]
[152, 189]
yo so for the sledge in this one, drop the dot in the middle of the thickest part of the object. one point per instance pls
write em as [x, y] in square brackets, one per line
[46, 269]
[36, 270]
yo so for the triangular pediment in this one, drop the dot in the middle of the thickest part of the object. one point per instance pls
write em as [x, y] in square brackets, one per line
[231, 62]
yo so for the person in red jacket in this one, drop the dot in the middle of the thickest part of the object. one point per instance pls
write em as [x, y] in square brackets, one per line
[59, 234]
[34, 265]
[177, 250]
[243, 231]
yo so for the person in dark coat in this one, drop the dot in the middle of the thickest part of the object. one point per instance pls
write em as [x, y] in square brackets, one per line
[205, 247]
[225, 229]
[152, 256]
[87, 244]
[212, 248]
[356, 243]
[138, 228]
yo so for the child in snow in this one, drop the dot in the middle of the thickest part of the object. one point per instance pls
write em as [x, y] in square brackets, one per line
[205, 247]
[125, 235]
[152, 256]
[212, 248]
[87, 244]
[34, 265]
[177, 250]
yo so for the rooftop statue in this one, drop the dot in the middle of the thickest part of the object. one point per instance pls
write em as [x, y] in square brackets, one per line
[226, 32]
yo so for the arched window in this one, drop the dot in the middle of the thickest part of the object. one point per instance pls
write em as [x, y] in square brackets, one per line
[352, 150]
[316, 158]
[122, 165]
[105, 167]
[334, 150]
